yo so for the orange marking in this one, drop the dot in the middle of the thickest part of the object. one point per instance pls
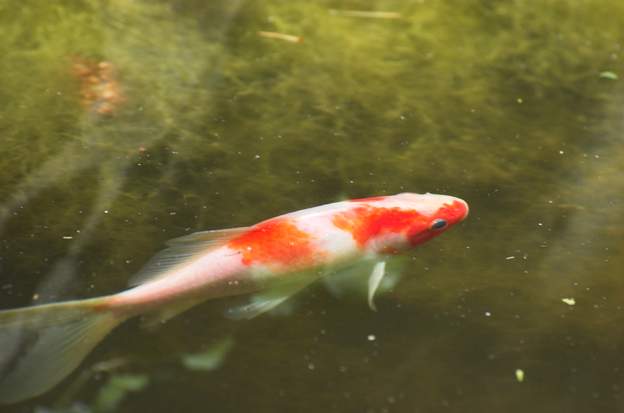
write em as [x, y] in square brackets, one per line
[452, 213]
[366, 222]
[277, 241]
[99, 88]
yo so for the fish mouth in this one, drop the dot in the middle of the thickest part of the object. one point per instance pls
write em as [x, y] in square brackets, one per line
[466, 209]
[458, 210]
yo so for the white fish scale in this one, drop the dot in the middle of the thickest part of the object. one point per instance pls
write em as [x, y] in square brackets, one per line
[381, 242]
[220, 264]
[426, 204]
[327, 237]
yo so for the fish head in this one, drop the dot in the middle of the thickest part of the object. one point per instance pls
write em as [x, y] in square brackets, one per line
[393, 224]
[433, 215]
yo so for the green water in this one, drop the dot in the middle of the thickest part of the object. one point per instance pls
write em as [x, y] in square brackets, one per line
[515, 106]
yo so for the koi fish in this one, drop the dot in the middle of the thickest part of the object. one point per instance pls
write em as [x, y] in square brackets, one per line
[272, 260]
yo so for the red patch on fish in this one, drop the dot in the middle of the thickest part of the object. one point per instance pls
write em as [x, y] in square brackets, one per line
[277, 241]
[367, 222]
[453, 212]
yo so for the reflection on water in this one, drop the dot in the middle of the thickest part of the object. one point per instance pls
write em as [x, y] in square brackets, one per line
[500, 103]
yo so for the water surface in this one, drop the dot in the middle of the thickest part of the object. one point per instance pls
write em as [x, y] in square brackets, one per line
[124, 124]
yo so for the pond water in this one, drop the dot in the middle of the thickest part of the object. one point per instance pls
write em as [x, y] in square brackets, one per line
[128, 123]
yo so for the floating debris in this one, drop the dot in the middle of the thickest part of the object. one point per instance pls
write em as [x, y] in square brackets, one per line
[519, 375]
[569, 301]
[608, 75]
[574, 207]
[281, 36]
[99, 88]
[366, 14]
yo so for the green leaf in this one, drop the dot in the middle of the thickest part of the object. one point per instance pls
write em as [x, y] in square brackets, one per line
[116, 389]
[608, 75]
[208, 360]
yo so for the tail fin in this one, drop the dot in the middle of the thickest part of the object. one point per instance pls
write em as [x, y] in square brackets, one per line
[41, 345]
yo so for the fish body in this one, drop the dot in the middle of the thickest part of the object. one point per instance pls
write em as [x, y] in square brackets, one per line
[317, 239]
[273, 259]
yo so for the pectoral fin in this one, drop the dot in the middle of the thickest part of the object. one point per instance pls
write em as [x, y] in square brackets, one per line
[268, 300]
[259, 304]
[365, 278]
[374, 281]
[168, 312]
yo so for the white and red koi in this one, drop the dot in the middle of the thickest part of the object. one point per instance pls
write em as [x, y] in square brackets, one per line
[274, 259]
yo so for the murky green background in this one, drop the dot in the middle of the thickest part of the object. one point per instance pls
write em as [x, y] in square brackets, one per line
[515, 106]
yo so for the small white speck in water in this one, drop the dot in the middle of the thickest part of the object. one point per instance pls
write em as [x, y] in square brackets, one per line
[569, 301]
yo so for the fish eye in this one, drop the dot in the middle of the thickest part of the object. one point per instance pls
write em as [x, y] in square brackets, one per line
[437, 224]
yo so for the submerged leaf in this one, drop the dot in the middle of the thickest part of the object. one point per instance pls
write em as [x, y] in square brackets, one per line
[608, 75]
[116, 390]
[210, 359]
[74, 408]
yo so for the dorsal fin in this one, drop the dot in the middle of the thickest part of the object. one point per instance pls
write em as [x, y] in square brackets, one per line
[182, 249]
[213, 236]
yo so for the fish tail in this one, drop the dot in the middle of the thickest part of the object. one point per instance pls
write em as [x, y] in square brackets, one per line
[41, 345]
